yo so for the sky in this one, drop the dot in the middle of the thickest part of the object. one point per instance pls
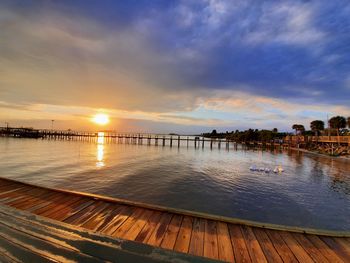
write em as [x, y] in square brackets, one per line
[174, 66]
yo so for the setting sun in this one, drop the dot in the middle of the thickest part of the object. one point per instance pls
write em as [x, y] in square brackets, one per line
[101, 119]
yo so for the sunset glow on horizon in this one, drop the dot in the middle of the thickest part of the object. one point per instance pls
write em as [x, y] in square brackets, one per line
[101, 119]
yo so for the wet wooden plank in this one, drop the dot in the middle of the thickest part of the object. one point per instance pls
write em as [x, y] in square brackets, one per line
[59, 199]
[99, 217]
[42, 202]
[71, 209]
[136, 228]
[267, 246]
[107, 219]
[82, 213]
[295, 247]
[32, 199]
[13, 193]
[117, 221]
[182, 243]
[283, 250]
[151, 224]
[129, 222]
[210, 249]
[337, 248]
[197, 238]
[345, 243]
[59, 206]
[224, 243]
[238, 243]
[158, 233]
[85, 214]
[172, 232]
[255, 252]
[313, 252]
[326, 251]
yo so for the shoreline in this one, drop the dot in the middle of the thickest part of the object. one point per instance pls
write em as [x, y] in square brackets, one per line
[345, 158]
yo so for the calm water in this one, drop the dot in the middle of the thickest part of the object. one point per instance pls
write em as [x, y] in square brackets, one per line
[312, 191]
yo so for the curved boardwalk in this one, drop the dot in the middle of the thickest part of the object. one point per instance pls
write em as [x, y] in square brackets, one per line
[188, 234]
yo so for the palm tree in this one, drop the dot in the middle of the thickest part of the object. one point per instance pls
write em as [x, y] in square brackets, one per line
[317, 126]
[337, 122]
[275, 130]
[301, 128]
[295, 127]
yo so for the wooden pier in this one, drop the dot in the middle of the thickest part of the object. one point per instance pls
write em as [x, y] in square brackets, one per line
[173, 231]
[121, 138]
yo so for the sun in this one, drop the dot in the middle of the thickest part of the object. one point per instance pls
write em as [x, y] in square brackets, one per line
[101, 119]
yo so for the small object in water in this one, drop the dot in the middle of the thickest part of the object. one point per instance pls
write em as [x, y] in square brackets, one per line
[267, 170]
[262, 169]
[253, 168]
[278, 169]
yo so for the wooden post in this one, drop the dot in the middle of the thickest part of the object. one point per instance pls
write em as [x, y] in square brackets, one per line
[171, 141]
[163, 140]
[219, 145]
[178, 142]
[211, 143]
[203, 143]
[187, 141]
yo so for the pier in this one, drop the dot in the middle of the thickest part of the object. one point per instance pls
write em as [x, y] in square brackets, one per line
[121, 138]
[90, 224]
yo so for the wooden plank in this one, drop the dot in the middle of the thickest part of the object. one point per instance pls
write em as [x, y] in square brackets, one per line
[129, 222]
[238, 243]
[313, 252]
[328, 253]
[267, 246]
[43, 202]
[295, 247]
[118, 220]
[12, 193]
[32, 200]
[99, 217]
[136, 228]
[149, 227]
[59, 206]
[211, 249]
[107, 219]
[71, 210]
[283, 250]
[182, 243]
[85, 214]
[53, 203]
[158, 233]
[224, 243]
[34, 196]
[336, 247]
[172, 232]
[255, 252]
[197, 238]
[344, 243]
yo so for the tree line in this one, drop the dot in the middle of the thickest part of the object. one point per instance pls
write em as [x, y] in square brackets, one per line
[338, 123]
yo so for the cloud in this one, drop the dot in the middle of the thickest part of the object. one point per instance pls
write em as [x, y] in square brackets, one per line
[171, 60]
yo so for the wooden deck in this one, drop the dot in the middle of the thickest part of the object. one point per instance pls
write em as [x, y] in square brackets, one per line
[194, 235]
